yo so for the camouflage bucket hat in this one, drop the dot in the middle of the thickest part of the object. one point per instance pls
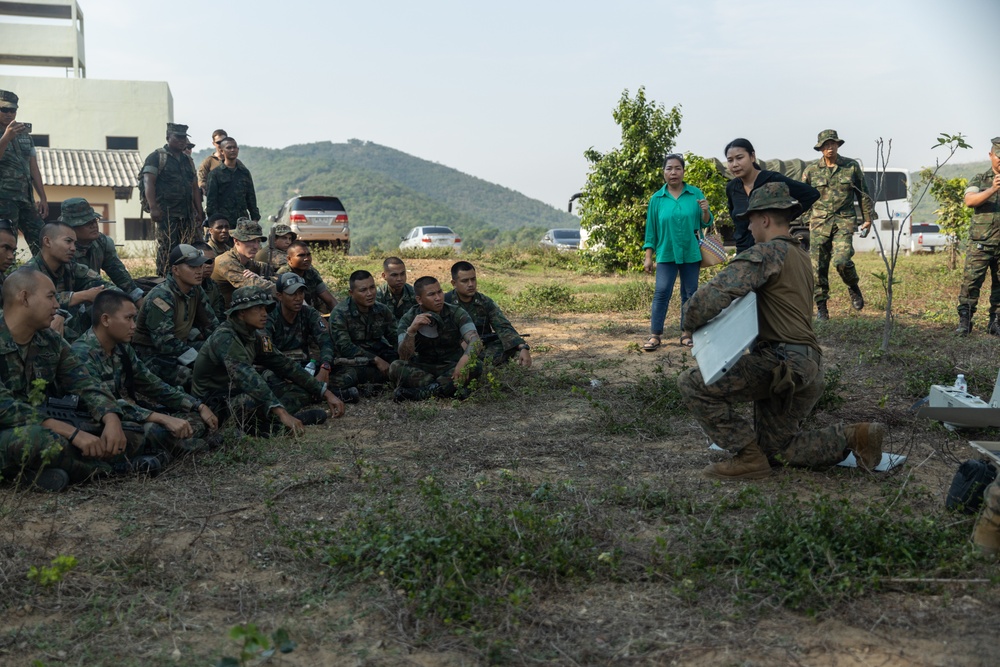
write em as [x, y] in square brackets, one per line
[282, 229]
[77, 211]
[996, 146]
[774, 195]
[825, 136]
[8, 99]
[250, 296]
[247, 230]
[178, 129]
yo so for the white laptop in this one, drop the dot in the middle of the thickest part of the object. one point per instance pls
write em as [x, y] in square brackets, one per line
[721, 342]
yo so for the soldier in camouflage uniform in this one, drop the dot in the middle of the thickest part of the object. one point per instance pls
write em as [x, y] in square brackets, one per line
[19, 174]
[502, 341]
[318, 295]
[217, 233]
[51, 451]
[8, 249]
[111, 360]
[211, 287]
[395, 292]
[237, 267]
[782, 375]
[176, 319]
[213, 160]
[983, 253]
[432, 360]
[230, 186]
[225, 377]
[76, 285]
[275, 251]
[94, 249]
[171, 189]
[840, 181]
[362, 328]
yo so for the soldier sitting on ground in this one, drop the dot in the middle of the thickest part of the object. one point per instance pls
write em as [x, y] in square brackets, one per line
[500, 338]
[362, 329]
[175, 319]
[433, 361]
[211, 287]
[94, 249]
[217, 233]
[8, 249]
[275, 253]
[318, 295]
[237, 267]
[225, 377]
[395, 292]
[106, 352]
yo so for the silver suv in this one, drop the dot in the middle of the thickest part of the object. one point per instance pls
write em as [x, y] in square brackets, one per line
[317, 218]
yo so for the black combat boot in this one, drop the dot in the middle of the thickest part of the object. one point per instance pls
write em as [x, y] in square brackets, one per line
[993, 327]
[312, 416]
[857, 299]
[822, 314]
[52, 480]
[408, 394]
[964, 322]
[139, 465]
[347, 395]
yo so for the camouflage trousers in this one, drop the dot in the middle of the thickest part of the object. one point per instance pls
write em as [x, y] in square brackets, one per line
[354, 376]
[249, 415]
[157, 438]
[25, 216]
[979, 259]
[778, 429]
[166, 368]
[171, 232]
[413, 375]
[494, 353]
[833, 240]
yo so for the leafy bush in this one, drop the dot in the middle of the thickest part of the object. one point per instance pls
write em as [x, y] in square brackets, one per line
[546, 298]
[635, 296]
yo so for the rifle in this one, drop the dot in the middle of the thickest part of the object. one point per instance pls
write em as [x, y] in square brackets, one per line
[67, 409]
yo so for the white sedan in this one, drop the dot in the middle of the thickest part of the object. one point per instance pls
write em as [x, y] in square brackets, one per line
[427, 238]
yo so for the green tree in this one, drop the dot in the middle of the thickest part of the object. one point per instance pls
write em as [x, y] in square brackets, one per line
[621, 181]
[953, 215]
[704, 174]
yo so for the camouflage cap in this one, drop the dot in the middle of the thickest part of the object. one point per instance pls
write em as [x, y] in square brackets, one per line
[825, 136]
[77, 211]
[290, 282]
[178, 129]
[282, 229]
[774, 195]
[250, 296]
[187, 254]
[8, 98]
[996, 146]
[247, 230]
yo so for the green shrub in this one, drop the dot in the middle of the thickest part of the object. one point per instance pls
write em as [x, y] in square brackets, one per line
[634, 296]
[546, 298]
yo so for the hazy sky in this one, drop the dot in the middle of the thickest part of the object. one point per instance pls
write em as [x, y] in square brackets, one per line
[514, 92]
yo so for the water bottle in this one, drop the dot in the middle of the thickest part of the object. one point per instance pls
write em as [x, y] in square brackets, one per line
[311, 368]
[961, 384]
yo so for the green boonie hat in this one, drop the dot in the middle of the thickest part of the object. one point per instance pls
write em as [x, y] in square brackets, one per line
[177, 128]
[8, 98]
[250, 296]
[77, 211]
[282, 229]
[247, 230]
[996, 146]
[774, 195]
[825, 136]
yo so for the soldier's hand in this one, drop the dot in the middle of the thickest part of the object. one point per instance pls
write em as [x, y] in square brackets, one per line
[113, 436]
[179, 428]
[207, 416]
[58, 324]
[247, 273]
[323, 375]
[996, 181]
[382, 365]
[336, 405]
[524, 358]
[421, 320]
[14, 128]
[87, 295]
[90, 445]
[155, 212]
[866, 225]
[43, 209]
[290, 421]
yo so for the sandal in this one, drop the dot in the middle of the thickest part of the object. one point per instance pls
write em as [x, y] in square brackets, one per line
[687, 341]
[652, 344]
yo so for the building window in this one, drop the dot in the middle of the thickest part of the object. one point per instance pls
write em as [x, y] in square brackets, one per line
[139, 229]
[40, 140]
[123, 143]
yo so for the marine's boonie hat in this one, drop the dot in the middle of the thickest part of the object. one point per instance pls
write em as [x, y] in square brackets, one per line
[247, 230]
[290, 283]
[825, 136]
[250, 296]
[8, 99]
[187, 254]
[774, 195]
[996, 146]
[283, 229]
[77, 211]
[178, 129]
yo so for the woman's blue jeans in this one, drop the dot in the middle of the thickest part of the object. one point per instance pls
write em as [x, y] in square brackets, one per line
[666, 274]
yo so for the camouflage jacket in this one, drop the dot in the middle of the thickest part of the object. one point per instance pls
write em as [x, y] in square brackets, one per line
[297, 338]
[110, 371]
[452, 325]
[168, 317]
[277, 258]
[228, 274]
[407, 300]
[101, 255]
[207, 165]
[488, 318]
[47, 357]
[69, 278]
[985, 225]
[314, 284]
[219, 248]
[15, 169]
[357, 334]
[839, 187]
[780, 273]
[215, 299]
[174, 184]
[225, 366]
[231, 193]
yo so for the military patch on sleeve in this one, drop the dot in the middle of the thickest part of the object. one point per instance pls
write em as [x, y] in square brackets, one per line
[265, 344]
[161, 304]
[93, 274]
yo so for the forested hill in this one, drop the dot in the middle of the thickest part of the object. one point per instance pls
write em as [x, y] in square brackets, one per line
[387, 192]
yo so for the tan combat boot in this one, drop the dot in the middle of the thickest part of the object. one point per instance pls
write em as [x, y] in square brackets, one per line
[749, 463]
[865, 440]
[987, 533]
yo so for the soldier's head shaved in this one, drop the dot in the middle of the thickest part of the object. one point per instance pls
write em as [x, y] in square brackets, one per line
[461, 266]
[53, 229]
[423, 283]
[109, 302]
[25, 279]
[392, 261]
[358, 276]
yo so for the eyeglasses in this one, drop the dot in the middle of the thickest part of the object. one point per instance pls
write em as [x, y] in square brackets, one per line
[8, 110]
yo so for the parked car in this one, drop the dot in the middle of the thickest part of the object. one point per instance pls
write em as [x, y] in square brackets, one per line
[561, 239]
[431, 237]
[926, 237]
[316, 219]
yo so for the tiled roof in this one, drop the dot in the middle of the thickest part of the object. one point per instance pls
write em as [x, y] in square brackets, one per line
[75, 166]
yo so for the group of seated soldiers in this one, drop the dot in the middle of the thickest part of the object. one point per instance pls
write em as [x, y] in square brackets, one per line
[105, 378]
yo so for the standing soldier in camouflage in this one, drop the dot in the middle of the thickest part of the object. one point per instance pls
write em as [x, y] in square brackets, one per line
[111, 360]
[318, 295]
[395, 292]
[19, 174]
[237, 267]
[230, 187]
[8, 249]
[211, 287]
[275, 252]
[840, 181]
[171, 192]
[50, 452]
[783, 375]
[217, 233]
[176, 319]
[225, 377]
[983, 253]
[501, 340]
[432, 358]
[362, 328]
[212, 161]
[94, 249]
